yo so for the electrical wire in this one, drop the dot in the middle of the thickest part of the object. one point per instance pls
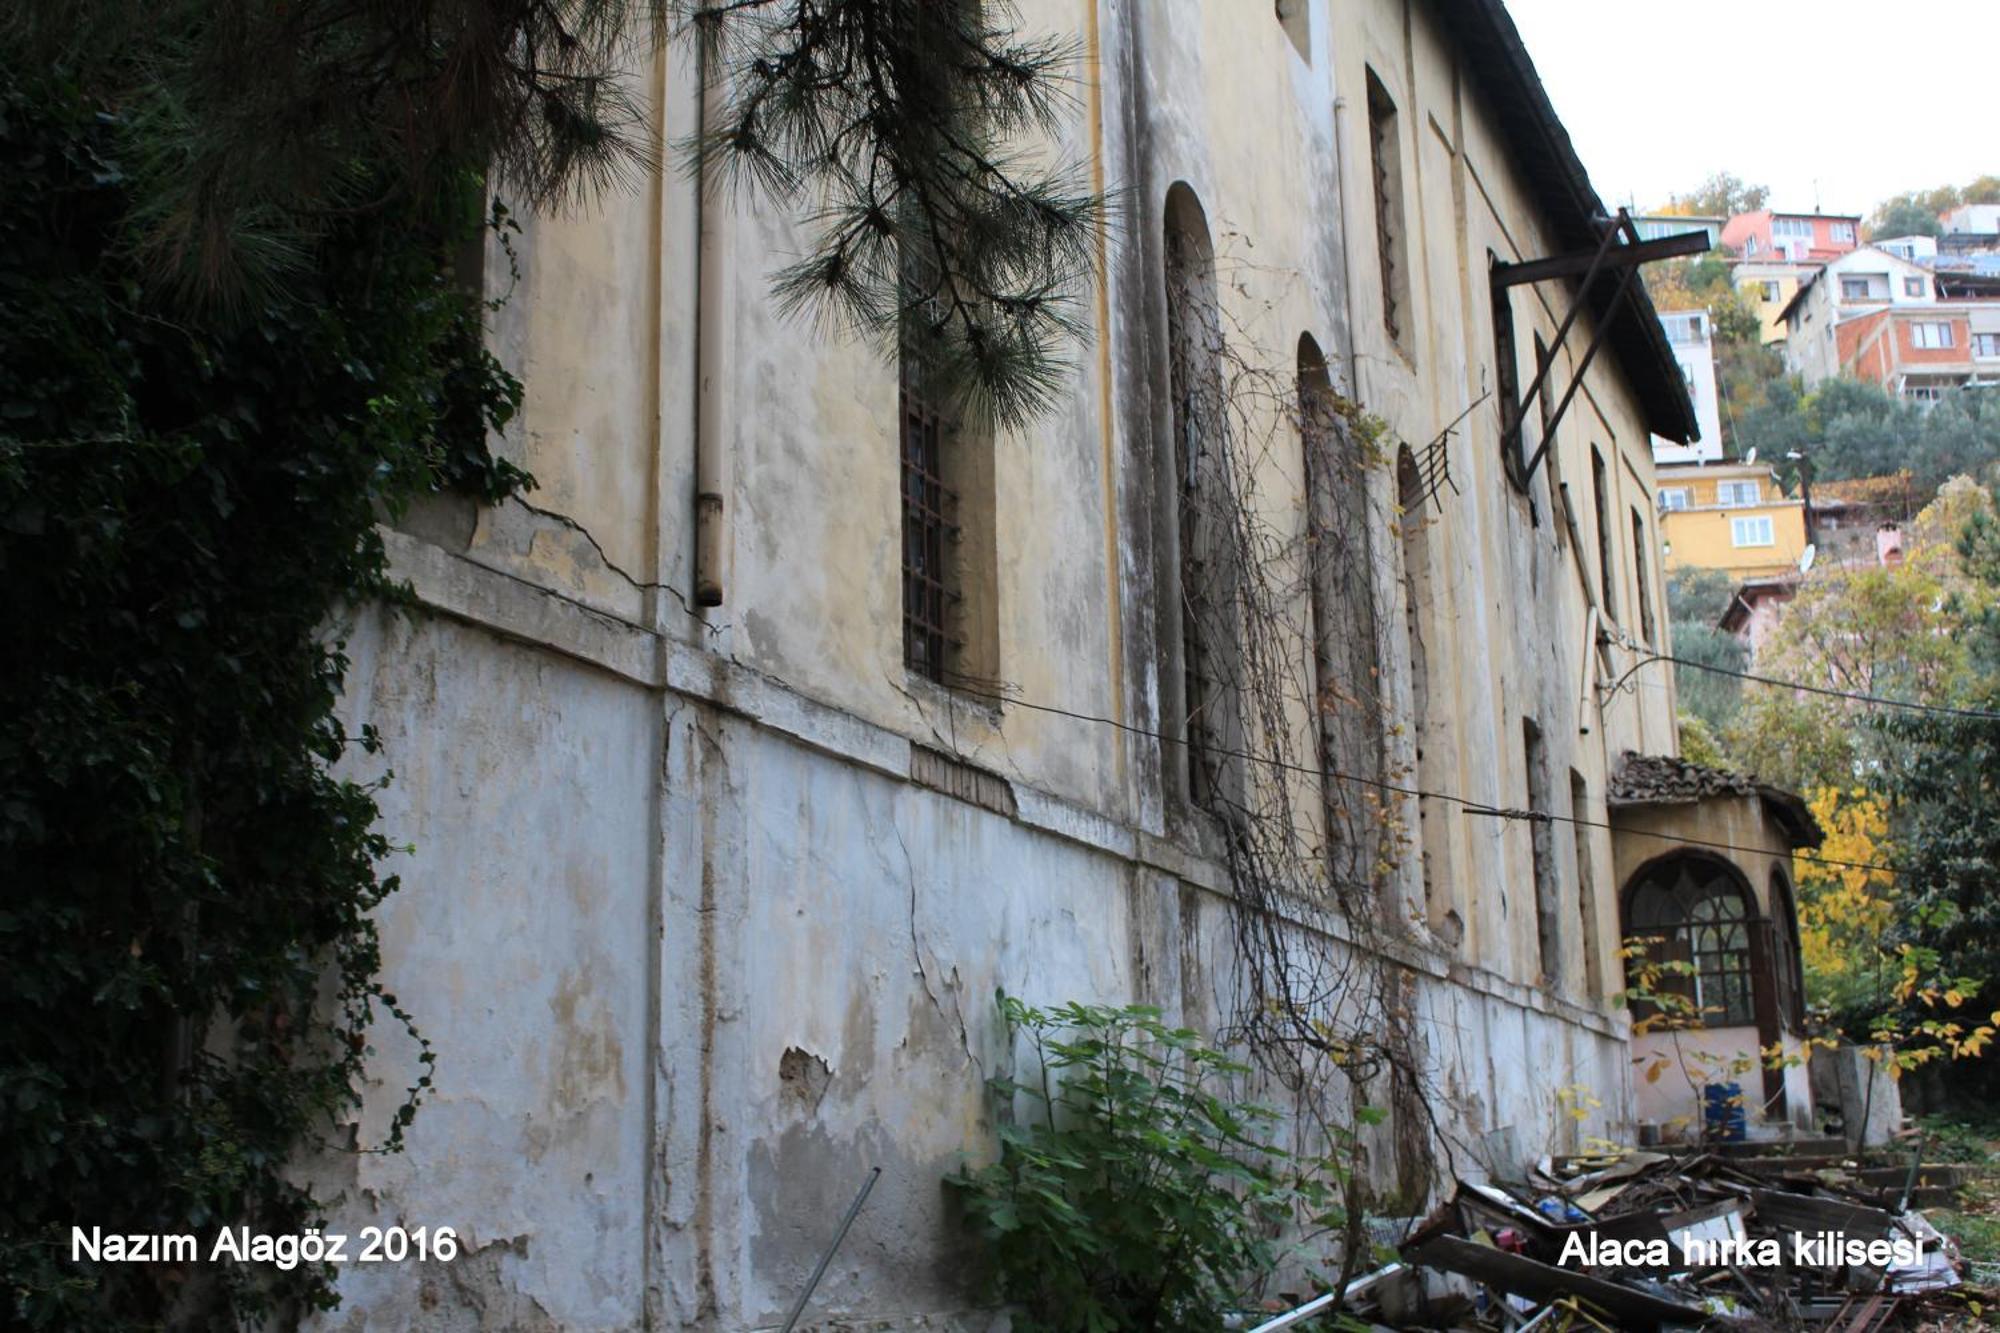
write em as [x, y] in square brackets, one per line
[1876, 700]
[1480, 808]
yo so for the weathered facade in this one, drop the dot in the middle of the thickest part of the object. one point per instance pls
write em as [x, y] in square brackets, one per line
[706, 906]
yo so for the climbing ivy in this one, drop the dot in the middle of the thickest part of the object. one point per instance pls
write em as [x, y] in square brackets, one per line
[187, 960]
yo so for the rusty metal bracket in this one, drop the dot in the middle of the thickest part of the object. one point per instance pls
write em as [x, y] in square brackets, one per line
[1625, 258]
[1569, 265]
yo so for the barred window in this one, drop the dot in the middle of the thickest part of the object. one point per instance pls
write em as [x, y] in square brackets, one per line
[1697, 913]
[950, 565]
[928, 510]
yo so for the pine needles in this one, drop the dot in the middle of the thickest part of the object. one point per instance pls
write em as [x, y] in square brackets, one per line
[938, 225]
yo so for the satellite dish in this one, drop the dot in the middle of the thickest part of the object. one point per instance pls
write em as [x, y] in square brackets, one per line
[1807, 557]
[1750, 457]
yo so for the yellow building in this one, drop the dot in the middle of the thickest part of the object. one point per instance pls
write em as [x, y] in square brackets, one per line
[1769, 285]
[1730, 516]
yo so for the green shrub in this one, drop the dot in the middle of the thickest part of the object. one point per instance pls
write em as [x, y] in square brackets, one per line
[1133, 1190]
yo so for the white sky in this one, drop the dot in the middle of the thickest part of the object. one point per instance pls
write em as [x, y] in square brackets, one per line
[1856, 101]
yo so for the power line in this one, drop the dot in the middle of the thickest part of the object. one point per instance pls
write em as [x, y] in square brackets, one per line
[1945, 710]
[1470, 806]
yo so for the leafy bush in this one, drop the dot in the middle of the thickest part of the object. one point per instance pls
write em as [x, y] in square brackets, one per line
[1134, 1191]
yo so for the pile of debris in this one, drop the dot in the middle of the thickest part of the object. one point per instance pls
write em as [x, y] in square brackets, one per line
[1721, 1237]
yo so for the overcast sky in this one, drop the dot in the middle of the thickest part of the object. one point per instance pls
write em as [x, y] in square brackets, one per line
[1833, 100]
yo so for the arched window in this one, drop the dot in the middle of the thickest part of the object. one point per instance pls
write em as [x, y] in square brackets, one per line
[1340, 583]
[1413, 526]
[1698, 912]
[1786, 963]
[1204, 651]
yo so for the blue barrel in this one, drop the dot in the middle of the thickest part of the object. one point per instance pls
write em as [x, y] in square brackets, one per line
[1724, 1112]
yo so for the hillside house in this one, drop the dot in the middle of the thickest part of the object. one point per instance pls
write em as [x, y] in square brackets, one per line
[1802, 238]
[1691, 335]
[1730, 516]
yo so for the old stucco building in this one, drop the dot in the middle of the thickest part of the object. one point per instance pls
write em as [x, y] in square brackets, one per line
[706, 905]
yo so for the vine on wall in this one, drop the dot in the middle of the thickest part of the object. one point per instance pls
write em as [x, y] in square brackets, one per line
[1299, 779]
[187, 961]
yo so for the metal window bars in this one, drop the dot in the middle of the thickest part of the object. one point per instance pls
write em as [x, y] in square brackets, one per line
[929, 531]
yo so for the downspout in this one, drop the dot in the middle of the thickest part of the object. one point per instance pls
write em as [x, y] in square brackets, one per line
[1346, 257]
[710, 529]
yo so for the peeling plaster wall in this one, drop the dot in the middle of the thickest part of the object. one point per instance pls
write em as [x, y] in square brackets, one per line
[697, 934]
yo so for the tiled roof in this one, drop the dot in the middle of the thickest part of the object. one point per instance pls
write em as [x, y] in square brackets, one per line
[1654, 779]
[1658, 779]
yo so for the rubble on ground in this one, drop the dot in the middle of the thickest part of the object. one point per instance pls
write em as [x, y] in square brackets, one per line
[1791, 1235]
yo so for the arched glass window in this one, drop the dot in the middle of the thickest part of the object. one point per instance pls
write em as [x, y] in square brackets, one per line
[1697, 910]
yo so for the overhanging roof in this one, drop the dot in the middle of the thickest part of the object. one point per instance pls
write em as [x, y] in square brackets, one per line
[1659, 779]
[1556, 180]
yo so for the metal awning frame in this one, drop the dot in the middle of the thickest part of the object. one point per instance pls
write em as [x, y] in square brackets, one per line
[1625, 259]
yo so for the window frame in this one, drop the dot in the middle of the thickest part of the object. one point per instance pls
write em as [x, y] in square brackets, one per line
[1708, 919]
[1507, 387]
[1385, 158]
[1641, 573]
[1923, 330]
[929, 530]
[1729, 494]
[1739, 523]
[1674, 498]
[1600, 499]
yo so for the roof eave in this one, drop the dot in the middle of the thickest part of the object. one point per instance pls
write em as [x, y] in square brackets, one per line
[1556, 178]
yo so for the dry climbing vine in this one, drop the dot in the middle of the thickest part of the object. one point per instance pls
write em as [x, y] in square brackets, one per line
[1279, 615]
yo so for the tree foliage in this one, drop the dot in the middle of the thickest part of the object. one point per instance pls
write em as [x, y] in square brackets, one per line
[1889, 631]
[1852, 428]
[1696, 599]
[248, 131]
[1943, 778]
[1846, 912]
[1915, 212]
[187, 958]
[943, 230]
[1722, 195]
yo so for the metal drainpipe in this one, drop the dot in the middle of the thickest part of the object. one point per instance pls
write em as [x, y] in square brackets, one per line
[710, 528]
[1340, 116]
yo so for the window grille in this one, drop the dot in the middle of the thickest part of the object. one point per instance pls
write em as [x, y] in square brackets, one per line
[1692, 911]
[928, 509]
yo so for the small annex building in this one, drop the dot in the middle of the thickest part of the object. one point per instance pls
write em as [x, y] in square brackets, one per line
[1703, 859]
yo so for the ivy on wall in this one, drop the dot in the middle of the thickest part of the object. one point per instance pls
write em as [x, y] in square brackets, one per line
[187, 961]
